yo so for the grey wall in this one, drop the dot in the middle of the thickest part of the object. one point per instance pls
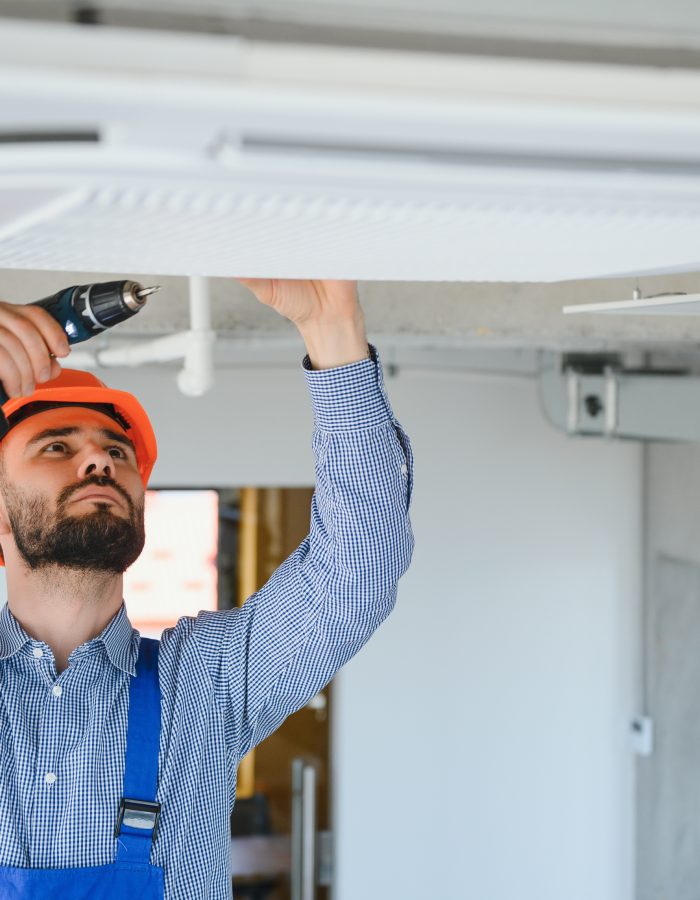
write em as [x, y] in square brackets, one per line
[668, 828]
[480, 742]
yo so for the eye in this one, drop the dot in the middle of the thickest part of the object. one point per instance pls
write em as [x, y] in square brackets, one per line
[114, 451]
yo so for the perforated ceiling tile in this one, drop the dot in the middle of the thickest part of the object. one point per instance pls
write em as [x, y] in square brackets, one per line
[366, 235]
[24, 207]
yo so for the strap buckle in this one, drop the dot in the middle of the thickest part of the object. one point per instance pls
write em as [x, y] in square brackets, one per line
[143, 814]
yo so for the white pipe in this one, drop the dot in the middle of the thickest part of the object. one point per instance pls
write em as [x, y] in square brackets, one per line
[197, 375]
[164, 349]
[173, 346]
[200, 303]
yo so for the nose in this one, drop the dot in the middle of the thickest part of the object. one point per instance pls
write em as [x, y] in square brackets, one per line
[95, 461]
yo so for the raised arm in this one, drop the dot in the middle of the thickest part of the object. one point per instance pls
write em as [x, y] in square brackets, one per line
[323, 603]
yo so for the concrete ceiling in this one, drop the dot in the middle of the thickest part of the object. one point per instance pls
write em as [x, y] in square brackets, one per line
[417, 315]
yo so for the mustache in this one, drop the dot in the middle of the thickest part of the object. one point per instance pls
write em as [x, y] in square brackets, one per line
[94, 481]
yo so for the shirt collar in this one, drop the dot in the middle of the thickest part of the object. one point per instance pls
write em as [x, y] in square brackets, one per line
[118, 639]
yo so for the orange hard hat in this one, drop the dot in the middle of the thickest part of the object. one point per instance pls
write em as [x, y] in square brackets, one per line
[76, 388]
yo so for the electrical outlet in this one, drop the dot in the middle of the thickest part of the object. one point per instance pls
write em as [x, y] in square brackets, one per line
[642, 735]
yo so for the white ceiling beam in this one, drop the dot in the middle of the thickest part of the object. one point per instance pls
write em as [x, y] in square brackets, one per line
[130, 52]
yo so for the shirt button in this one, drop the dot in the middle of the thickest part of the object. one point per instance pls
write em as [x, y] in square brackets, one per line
[404, 469]
[57, 690]
[38, 652]
[50, 777]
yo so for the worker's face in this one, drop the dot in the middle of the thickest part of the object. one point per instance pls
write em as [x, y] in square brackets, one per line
[70, 492]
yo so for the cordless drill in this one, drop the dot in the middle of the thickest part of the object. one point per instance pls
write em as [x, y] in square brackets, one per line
[88, 309]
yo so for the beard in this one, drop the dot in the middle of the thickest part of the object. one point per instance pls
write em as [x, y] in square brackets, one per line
[98, 541]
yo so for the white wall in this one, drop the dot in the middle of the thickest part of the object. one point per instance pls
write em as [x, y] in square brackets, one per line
[480, 742]
[480, 738]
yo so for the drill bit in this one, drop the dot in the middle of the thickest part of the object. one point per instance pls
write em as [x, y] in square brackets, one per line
[147, 291]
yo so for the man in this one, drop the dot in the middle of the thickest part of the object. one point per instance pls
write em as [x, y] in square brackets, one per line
[119, 755]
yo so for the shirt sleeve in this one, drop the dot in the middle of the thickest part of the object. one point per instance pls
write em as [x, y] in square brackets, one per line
[270, 656]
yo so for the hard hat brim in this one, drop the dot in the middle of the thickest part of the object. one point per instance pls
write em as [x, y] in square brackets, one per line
[140, 430]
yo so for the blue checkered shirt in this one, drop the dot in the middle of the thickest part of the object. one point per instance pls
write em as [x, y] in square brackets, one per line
[228, 679]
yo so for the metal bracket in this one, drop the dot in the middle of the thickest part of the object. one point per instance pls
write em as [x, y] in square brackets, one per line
[596, 396]
[590, 395]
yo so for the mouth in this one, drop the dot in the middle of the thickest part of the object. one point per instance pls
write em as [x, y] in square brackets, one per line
[99, 495]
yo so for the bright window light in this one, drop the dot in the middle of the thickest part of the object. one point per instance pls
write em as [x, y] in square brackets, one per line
[176, 575]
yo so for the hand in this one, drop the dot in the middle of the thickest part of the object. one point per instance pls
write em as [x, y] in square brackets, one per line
[327, 313]
[302, 302]
[29, 338]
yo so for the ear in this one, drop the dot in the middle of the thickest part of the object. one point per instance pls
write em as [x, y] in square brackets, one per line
[4, 520]
[4, 524]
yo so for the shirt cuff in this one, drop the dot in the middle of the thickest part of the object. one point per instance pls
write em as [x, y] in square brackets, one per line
[350, 396]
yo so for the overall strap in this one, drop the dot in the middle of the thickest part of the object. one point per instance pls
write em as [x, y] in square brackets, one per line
[138, 812]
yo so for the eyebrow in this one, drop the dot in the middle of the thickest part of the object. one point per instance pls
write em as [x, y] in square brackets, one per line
[73, 429]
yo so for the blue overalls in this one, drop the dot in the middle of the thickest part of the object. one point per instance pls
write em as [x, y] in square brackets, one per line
[130, 876]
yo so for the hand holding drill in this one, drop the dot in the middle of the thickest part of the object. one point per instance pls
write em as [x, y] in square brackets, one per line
[32, 336]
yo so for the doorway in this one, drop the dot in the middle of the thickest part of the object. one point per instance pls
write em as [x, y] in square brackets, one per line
[268, 820]
[212, 549]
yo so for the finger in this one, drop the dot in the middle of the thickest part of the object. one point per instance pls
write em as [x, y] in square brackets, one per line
[55, 368]
[34, 345]
[51, 331]
[15, 367]
[262, 288]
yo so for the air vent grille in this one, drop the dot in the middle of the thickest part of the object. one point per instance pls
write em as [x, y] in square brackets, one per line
[227, 232]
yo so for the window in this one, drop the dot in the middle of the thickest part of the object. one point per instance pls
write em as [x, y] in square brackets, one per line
[176, 574]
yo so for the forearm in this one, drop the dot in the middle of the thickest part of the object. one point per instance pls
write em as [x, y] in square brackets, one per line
[363, 481]
[330, 344]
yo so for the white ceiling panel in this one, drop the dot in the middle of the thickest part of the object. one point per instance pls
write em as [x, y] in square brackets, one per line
[368, 165]
[174, 227]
